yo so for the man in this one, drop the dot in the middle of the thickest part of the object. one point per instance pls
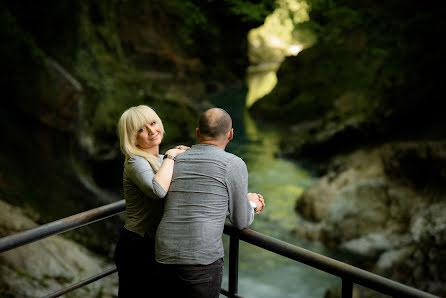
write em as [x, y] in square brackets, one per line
[208, 186]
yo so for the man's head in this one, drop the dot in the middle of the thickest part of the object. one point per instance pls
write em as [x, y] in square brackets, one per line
[215, 125]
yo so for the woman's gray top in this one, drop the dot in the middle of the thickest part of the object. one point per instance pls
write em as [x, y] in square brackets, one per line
[208, 185]
[143, 195]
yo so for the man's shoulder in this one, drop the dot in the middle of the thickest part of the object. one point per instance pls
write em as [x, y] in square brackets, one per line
[228, 157]
[210, 152]
[234, 158]
[233, 163]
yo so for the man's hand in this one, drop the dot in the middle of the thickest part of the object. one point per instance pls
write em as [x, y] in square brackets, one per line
[258, 200]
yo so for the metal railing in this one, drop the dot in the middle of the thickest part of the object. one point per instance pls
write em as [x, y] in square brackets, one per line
[349, 274]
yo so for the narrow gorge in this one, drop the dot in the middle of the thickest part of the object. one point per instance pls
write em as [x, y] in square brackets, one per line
[345, 95]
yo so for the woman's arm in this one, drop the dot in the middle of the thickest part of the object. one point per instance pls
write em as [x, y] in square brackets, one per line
[164, 175]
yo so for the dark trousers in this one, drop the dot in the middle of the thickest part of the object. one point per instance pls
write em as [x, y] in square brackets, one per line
[192, 281]
[137, 268]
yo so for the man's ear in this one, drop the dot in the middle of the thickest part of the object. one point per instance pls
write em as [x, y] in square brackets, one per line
[197, 132]
[231, 134]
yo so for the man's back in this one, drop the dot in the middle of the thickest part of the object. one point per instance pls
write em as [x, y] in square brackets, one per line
[208, 183]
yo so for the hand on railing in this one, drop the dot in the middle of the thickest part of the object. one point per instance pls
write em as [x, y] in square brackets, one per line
[258, 200]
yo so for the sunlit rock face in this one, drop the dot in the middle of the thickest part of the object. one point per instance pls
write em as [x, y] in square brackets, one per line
[270, 43]
[344, 74]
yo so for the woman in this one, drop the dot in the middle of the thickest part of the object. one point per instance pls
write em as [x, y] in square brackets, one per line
[146, 179]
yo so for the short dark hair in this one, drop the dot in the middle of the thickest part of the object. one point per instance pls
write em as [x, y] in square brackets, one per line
[214, 123]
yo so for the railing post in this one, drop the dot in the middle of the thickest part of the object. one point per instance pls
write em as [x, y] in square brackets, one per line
[233, 262]
[347, 288]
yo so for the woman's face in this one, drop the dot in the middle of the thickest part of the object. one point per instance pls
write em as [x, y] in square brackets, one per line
[149, 137]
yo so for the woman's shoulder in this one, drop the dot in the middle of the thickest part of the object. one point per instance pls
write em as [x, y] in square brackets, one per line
[136, 162]
[135, 158]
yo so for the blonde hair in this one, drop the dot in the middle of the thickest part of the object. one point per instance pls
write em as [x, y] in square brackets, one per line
[130, 122]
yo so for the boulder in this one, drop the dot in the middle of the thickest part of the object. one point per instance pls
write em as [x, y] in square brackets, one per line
[43, 267]
[343, 171]
[377, 206]
[358, 210]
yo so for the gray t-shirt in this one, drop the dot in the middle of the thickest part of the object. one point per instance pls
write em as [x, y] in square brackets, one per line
[208, 185]
[142, 197]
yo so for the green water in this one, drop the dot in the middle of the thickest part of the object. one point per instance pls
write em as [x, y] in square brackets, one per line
[280, 181]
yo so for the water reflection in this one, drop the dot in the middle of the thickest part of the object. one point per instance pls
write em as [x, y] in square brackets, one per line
[261, 273]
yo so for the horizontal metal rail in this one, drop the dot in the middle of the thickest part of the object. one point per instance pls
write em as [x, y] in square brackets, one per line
[61, 225]
[348, 273]
[82, 283]
[345, 271]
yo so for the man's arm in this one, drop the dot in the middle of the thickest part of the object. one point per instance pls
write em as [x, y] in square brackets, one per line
[241, 214]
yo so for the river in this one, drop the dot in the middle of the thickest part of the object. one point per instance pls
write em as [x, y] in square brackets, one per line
[280, 181]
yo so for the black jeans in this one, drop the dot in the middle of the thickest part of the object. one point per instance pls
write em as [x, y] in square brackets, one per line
[192, 281]
[137, 268]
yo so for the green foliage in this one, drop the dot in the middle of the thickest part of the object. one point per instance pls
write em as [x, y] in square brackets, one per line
[192, 18]
[110, 85]
[341, 19]
[374, 61]
[198, 20]
[17, 39]
[251, 11]
[179, 120]
[24, 64]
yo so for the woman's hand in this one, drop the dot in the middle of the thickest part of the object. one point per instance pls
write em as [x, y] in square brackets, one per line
[164, 174]
[177, 150]
[258, 200]
[182, 147]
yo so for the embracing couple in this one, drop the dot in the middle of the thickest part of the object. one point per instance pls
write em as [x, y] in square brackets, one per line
[177, 204]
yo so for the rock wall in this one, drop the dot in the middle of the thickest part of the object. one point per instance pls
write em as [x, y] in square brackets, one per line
[69, 71]
[46, 266]
[363, 111]
[391, 221]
